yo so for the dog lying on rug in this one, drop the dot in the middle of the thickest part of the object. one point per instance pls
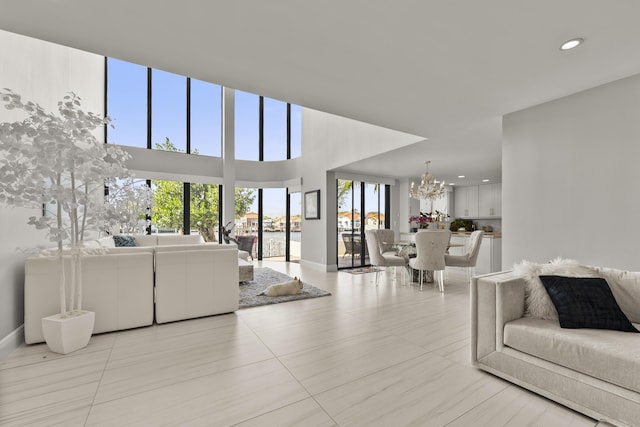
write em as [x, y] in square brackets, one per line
[292, 287]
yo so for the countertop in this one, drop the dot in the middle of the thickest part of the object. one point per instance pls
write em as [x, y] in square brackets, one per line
[492, 234]
[495, 234]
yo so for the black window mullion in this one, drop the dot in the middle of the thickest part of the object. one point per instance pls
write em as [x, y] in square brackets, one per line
[148, 210]
[260, 213]
[288, 131]
[188, 118]
[363, 218]
[106, 91]
[261, 130]
[186, 209]
[387, 206]
[287, 228]
[220, 210]
[149, 106]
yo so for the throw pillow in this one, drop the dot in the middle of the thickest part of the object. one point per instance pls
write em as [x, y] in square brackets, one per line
[537, 302]
[625, 286]
[124, 240]
[585, 302]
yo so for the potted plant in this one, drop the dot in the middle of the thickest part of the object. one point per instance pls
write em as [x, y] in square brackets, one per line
[55, 164]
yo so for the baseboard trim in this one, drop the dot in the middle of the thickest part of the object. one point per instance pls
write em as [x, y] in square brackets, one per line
[11, 342]
[318, 266]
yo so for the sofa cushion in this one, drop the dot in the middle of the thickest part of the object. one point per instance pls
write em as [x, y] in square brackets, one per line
[625, 286]
[178, 239]
[585, 302]
[121, 241]
[611, 356]
[146, 240]
[537, 301]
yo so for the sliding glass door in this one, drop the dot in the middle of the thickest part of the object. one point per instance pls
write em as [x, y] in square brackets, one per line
[361, 206]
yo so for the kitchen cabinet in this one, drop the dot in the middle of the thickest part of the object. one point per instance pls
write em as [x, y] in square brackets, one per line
[490, 255]
[490, 200]
[466, 201]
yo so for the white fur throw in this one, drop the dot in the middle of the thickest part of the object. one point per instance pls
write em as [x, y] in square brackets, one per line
[292, 287]
[537, 301]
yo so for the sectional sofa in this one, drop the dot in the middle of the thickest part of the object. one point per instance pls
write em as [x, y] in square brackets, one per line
[593, 371]
[163, 278]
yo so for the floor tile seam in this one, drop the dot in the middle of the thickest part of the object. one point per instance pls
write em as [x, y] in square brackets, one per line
[477, 405]
[377, 371]
[95, 393]
[306, 349]
[282, 407]
[181, 381]
[314, 320]
[41, 361]
[156, 325]
[310, 395]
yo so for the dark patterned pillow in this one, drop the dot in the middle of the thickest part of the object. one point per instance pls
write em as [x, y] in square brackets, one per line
[586, 302]
[124, 240]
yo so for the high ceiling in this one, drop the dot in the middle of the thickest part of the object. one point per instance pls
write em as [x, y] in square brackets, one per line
[443, 70]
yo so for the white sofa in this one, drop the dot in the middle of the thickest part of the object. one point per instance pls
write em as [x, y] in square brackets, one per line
[593, 371]
[117, 286]
[170, 276]
[195, 280]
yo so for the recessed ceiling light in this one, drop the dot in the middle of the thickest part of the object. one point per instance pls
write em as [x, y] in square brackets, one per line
[460, 176]
[485, 180]
[452, 183]
[571, 44]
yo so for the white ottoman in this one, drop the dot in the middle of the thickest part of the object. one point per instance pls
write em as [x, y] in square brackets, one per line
[245, 270]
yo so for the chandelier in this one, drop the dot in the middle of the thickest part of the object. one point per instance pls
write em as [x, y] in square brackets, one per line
[429, 188]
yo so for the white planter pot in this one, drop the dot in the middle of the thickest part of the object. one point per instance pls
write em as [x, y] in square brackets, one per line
[64, 335]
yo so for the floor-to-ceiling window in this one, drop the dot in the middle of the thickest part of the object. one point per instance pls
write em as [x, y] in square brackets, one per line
[268, 130]
[295, 226]
[170, 112]
[127, 103]
[361, 206]
[205, 118]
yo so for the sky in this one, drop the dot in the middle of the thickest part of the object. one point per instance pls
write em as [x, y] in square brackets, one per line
[127, 106]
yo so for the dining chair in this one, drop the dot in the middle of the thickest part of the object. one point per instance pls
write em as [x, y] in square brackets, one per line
[468, 259]
[378, 259]
[431, 246]
[245, 243]
[386, 238]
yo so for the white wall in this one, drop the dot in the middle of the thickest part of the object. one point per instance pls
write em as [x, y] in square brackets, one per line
[41, 72]
[570, 178]
[328, 142]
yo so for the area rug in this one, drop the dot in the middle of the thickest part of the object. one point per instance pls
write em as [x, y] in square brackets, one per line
[362, 270]
[262, 278]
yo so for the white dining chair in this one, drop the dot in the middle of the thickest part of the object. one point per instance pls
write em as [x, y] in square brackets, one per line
[468, 259]
[430, 250]
[386, 238]
[377, 258]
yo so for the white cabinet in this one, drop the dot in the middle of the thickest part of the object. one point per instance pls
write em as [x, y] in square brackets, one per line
[466, 201]
[490, 200]
[490, 256]
[478, 201]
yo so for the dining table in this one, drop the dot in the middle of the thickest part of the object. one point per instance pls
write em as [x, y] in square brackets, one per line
[407, 250]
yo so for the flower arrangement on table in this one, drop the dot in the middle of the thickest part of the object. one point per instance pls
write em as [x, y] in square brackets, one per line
[422, 221]
[425, 218]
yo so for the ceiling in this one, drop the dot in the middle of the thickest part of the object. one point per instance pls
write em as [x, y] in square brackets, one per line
[443, 70]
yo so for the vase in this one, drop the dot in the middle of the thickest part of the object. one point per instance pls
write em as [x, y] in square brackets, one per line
[66, 334]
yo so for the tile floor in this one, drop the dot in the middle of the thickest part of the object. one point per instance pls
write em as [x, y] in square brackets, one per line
[365, 356]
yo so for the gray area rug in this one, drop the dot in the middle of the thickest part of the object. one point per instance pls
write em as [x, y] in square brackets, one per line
[262, 278]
